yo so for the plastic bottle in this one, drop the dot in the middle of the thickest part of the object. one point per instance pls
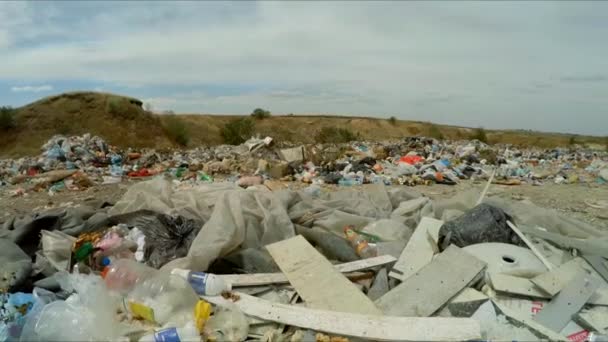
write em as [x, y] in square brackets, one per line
[359, 243]
[204, 284]
[186, 333]
[123, 274]
[162, 298]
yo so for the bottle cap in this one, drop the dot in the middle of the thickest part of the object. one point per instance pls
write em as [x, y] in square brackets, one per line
[105, 261]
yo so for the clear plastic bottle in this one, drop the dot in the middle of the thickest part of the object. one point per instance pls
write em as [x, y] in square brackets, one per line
[359, 243]
[123, 274]
[162, 298]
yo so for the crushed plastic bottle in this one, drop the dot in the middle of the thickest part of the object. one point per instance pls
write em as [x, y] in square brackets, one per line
[359, 243]
[204, 284]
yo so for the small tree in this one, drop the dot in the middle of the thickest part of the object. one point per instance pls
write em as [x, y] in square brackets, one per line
[177, 130]
[237, 131]
[480, 134]
[572, 140]
[260, 113]
[7, 118]
[392, 120]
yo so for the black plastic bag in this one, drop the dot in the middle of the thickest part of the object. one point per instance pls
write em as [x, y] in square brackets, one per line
[484, 223]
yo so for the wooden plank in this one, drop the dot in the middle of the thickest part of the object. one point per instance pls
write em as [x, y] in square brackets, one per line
[569, 301]
[375, 328]
[418, 252]
[256, 279]
[552, 282]
[515, 285]
[319, 284]
[530, 245]
[430, 288]
[538, 329]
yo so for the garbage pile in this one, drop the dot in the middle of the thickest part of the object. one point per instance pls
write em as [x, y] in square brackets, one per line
[79, 162]
[217, 262]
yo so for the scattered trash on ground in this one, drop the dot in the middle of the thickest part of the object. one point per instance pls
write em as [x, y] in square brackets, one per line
[210, 244]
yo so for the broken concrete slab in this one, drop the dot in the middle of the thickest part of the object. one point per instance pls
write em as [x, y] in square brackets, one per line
[369, 327]
[598, 263]
[553, 282]
[529, 308]
[380, 285]
[418, 252]
[515, 285]
[538, 329]
[466, 303]
[568, 302]
[317, 281]
[434, 285]
[594, 318]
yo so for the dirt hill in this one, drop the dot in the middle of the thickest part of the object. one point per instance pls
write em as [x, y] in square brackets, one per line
[118, 119]
[123, 122]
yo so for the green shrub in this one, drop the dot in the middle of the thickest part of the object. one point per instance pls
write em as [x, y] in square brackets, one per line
[177, 130]
[7, 118]
[260, 113]
[237, 131]
[572, 140]
[392, 120]
[435, 132]
[335, 135]
[480, 134]
[606, 143]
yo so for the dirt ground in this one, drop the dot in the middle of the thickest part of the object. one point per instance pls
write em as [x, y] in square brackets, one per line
[569, 199]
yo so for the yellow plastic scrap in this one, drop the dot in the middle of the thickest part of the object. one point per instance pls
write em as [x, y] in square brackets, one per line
[202, 311]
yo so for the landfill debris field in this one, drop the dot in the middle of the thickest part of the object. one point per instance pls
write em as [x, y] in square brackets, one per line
[408, 240]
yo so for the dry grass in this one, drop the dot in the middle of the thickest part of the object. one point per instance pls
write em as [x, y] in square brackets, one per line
[122, 122]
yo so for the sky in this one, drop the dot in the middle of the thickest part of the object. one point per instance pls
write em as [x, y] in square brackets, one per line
[495, 64]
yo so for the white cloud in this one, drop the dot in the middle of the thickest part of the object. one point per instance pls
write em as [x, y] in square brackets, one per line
[32, 89]
[459, 63]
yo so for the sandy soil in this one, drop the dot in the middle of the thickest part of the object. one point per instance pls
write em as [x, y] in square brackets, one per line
[569, 199]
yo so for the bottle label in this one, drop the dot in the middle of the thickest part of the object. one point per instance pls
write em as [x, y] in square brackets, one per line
[166, 335]
[139, 310]
[198, 281]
